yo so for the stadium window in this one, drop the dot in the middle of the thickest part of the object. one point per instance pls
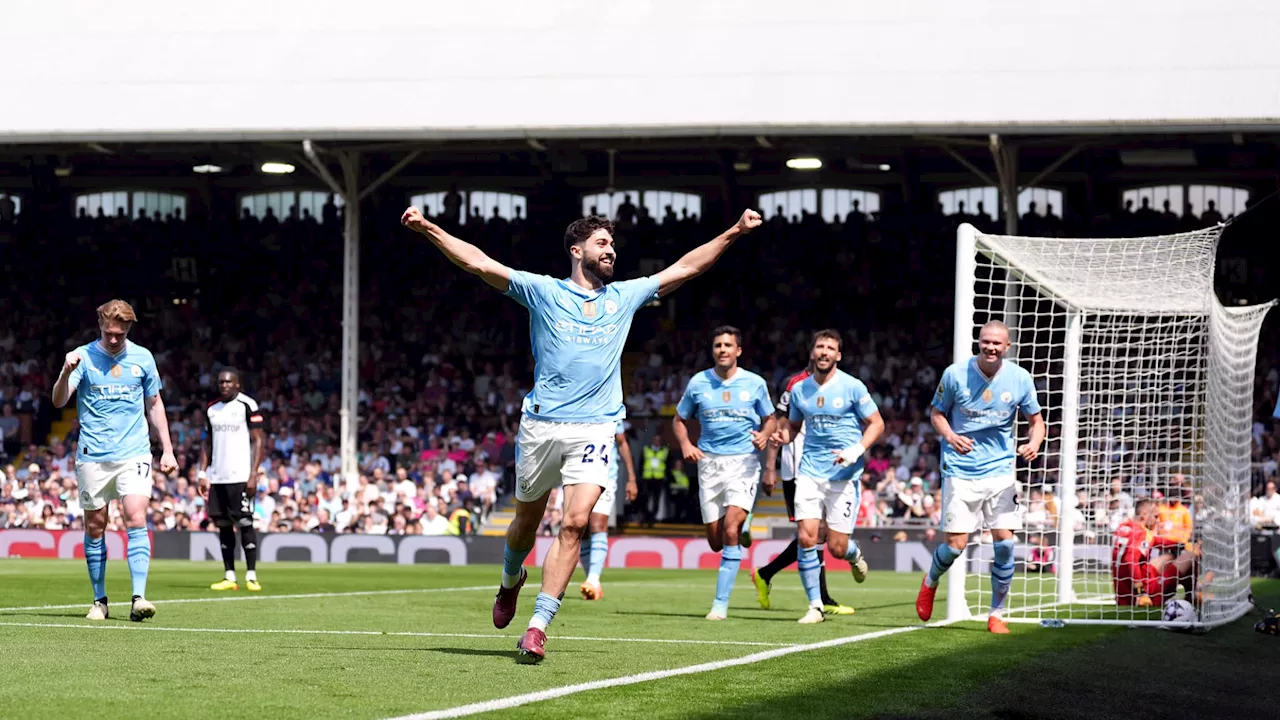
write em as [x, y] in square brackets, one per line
[1156, 196]
[112, 202]
[989, 197]
[478, 202]
[791, 204]
[656, 203]
[838, 203]
[17, 202]
[607, 204]
[282, 201]
[1227, 201]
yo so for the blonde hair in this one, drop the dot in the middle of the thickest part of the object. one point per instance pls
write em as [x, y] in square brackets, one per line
[116, 311]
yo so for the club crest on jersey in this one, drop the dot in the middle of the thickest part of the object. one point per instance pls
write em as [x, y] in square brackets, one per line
[116, 371]
[821, 401]
[1006, 397]
[135, 371]
[610, 307]
[837, 403]
[589, 309]
[986, 395]
[744, 396]
[726, 396]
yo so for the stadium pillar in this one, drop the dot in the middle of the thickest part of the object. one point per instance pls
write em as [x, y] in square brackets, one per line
[1006, 158]
[352, 194]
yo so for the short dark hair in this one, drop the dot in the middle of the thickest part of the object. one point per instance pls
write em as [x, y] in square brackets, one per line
[232, 371]
[727, 330]
[828, 334]
[581, 229]
[1141, 505]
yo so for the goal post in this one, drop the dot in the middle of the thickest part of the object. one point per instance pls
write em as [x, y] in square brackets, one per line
[1146, 382]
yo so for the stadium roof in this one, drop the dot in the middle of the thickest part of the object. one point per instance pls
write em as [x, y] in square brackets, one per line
[154, 70]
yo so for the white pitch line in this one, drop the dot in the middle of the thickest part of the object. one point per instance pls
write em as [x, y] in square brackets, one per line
[550, 694]
[239, 598]
[482, 636]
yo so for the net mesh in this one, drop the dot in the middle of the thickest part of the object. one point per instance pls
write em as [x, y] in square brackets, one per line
[1146, 385]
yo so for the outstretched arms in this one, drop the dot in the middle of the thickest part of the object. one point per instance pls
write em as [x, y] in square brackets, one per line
[700, 259]
[460, 252]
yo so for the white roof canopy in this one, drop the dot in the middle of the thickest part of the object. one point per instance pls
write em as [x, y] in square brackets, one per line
[81, 70]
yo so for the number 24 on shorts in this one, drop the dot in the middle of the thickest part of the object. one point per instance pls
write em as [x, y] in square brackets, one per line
[603, 454]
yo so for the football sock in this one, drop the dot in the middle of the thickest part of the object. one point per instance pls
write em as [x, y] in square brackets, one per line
[943, 556]
[544, 611]
[1001, 574]
[822, 580]
[783, 560]
[95, 556]
[730, 559]
[851, 553]
[139, 559]
[512, 561]
[598, 550]
[810, 570]
[227, 540]
[249, 541]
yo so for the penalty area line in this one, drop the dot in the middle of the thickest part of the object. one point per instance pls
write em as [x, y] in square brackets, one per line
[242, 598]
[559, 692]
[287, 631]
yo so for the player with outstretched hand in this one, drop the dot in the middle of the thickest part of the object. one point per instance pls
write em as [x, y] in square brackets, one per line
[841, 422]
[731, 405]
[973, 412]
[790, 461]
[1138, 578]
[117, 392]
[592, 554]
[578, 327]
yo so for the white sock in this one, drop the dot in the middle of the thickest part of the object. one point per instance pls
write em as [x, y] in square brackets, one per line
[929, 583]
[231, 576]
[251, 576]
[509, 581]
[996, 613]
[593, 579]
[816, 604]
[536, 622]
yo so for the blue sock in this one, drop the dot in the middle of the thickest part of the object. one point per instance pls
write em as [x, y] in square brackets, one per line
[139, 559]
[599, 549]
[512, 562]
[851, 554]
[95, 555]
[730, 559]
[943, 556]
[544, 611]
[584, 557]
[1001, 573]
[810, 569]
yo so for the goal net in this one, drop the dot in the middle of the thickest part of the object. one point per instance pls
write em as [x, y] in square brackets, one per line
[1146, 385]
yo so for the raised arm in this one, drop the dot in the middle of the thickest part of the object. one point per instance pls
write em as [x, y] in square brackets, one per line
[64, 385]
[700, 259]
[460, 252]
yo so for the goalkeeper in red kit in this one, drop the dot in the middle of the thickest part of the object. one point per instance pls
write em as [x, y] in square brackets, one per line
[1138, 578]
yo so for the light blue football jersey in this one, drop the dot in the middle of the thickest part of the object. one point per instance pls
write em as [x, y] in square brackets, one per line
[727, 410]
[577, 337]
[983, 408]
[833, 415]
[109, 399]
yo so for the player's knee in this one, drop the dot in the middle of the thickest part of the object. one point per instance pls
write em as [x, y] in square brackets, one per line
[573, 527]
[598, 523]
[957, 541]
[837, 544]
[245, 523]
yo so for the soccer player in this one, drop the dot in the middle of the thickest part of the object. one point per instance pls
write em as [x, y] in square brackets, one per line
[577, 327]
[841, 421]
[592, 553]
[117, 392]
[230, 455]
[1138, 578]
[973, 411]
[733, 410]
[763, 578]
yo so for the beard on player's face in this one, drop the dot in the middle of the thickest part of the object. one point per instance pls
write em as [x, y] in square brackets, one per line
[600, 266]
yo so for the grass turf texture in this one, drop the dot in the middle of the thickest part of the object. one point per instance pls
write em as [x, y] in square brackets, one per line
[957, 671]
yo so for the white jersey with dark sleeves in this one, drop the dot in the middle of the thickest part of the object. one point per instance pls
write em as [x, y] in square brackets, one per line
[230, 425]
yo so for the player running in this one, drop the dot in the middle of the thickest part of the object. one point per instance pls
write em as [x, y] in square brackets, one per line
[763, 578]
[592, 554]
[973, 411]
[229, 456]
[117, 392]
[733, 410]
[1140, 579]
[841, 421]
[577, 327]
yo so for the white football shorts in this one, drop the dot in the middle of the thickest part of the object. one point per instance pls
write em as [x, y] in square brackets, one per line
[966, 503]
[549, 454]
[101, 482]
[725, 480]
[839, 499]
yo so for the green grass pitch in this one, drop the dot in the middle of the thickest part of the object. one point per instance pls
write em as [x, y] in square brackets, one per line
[385, 641]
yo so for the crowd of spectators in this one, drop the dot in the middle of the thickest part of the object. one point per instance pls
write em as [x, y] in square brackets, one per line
[444, 361]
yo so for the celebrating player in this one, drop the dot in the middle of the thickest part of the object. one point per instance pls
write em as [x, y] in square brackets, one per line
[736, 418]
[1138, 578]
[763, 578]
[578, 327]
[117, 391]
[973, 411]
[841, 421]
[592, 553]
[236, 433]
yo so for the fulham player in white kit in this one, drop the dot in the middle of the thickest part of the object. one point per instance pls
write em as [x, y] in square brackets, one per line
[229, 457]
